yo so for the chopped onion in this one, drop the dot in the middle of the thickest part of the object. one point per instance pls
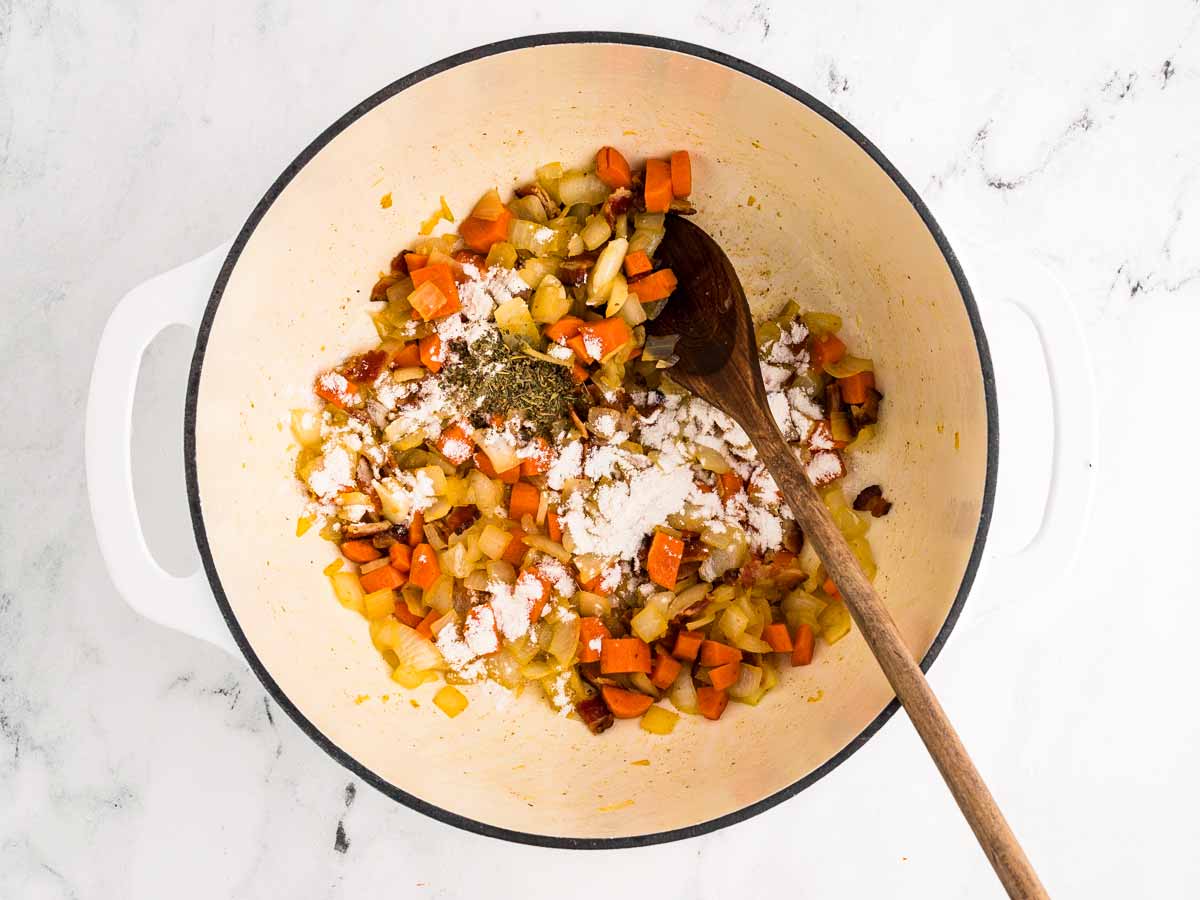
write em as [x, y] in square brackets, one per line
[565, 641]
[414, 652]
[733, 623]
[440, 595]
[501, 452]
[582, 187]
[595, 232]
[434, 538]
[802, 608]
[490, 207]
[711, 460]
[749, 681]
[618, 295]
[632, 310]
[849, 365]
[751, 644]
[649, 624]
[306, 426]
[822, 324]
[688, 598]
[529, 207]
[641, 681]
[500, 570]
[608, 264]
[683, 693]
[592, 604]
[553, 548]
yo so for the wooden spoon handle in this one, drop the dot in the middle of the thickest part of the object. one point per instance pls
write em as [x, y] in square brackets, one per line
[883, 637]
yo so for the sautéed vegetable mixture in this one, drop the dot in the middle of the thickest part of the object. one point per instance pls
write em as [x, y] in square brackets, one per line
[520, 493]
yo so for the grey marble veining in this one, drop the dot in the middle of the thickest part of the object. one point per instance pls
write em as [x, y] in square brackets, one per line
[135, 762]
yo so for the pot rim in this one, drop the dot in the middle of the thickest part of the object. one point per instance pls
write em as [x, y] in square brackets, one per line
[193, 488]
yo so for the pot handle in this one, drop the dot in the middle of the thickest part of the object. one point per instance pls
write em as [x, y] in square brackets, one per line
[1054, 548]
[177, 297]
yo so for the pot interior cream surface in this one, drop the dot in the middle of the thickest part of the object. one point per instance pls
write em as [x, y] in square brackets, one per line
[826, 227]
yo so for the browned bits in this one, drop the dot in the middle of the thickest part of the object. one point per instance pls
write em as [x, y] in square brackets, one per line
[574, 271]
[365, 366]
[617, 204]
[870, 499]
[595, 714]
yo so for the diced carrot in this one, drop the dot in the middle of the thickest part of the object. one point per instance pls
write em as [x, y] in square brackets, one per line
[554, 526]
[432, 353]
[855, 387]
[424, 629]
[612, 168]
[625, 704]
[415, 261]
[479, 234]
[591, 630]
[455, 443]
[802, 651]
[611, 334]
[416, 529]
[662, 563]
[581, 351]
[658, 186]
[428, 301]
[714, 653]
[406, 615]
[514, 553]
[536, 586]
[538, 463]
[666, 669]
[828, 349]
[831, 589]
[655, 286]
[439, 275]
[724, 677]
[425, 569]
[400, 556]
[711, 701]
[360, 551]
[579, 374]
[687, 645]
[381, 579]
[637, 263]
[624, 655]
[335, 388]
[777, 636]
[728, 484]
[681, 173]
[562, 330]
[407, 357]
[524, 500]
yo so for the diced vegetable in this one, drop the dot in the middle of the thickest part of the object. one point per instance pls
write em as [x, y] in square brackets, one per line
[658, 191]
[659, 720]
[825, 350]
[681, 173]
[625, 704]
[582, 187]
[662, 564]
[513, 318]
[425, 569]
[711, 702]
[432, 353]
[687, 645]
[624, 655]
[776, 635]
[714, 653]
[608, 264]
[599, 339]
[655, 286]
[665, 670]
[637, 263]
[348, 591]
[550, 301]
[612, 169]
[439, 276]
[523, 501]
[802, 652]
[381, 579]
[360, 551]
[592, 632]
[450, 700]
[723, 677]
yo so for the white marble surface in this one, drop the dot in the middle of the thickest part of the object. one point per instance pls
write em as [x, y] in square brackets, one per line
[135, 762]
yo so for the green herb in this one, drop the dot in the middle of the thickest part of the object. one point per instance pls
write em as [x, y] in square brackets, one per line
[494, 379]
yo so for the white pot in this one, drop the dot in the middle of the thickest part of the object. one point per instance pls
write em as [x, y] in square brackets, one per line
[833, 226]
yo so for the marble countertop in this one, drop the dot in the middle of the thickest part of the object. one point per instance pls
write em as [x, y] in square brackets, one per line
[136, 762]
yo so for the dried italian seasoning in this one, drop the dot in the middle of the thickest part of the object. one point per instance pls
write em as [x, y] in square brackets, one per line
[494, 379]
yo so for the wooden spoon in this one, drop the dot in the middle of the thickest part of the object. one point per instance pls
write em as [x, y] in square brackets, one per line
[718, 362]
